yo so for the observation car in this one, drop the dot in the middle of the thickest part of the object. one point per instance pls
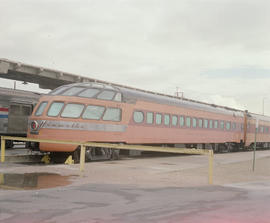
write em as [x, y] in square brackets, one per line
[15, 108]
[97, 112]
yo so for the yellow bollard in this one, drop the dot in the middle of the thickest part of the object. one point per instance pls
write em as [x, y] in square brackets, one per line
[2, 179]
[69, 160]
[82, 158]
[46, 159]
[3, 149]
[210, 166]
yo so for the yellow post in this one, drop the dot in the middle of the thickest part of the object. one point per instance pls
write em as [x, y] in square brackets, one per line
[82, 158]
[210, 167]
[3, 149]
[2, 179]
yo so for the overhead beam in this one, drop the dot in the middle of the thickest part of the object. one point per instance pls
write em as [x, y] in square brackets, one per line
[44, 77]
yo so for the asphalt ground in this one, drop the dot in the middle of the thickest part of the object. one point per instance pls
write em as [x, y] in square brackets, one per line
[160, 189]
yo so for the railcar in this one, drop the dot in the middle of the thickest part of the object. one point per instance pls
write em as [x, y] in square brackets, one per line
[99, 112]
[15, 108]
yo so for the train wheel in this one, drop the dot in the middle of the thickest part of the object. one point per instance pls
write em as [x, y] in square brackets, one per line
[89, 154]
[9, 144]
[222, 148]
[115, 154]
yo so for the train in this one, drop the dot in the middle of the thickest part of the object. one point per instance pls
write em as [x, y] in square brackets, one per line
[15, 108]
[99, 112]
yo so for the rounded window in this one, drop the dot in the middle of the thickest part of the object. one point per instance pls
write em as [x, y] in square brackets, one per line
[138, 116]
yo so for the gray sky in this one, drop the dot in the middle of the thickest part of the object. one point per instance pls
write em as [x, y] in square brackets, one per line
[216, 51]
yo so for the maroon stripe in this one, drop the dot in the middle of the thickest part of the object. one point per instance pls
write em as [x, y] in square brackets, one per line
[4, 109]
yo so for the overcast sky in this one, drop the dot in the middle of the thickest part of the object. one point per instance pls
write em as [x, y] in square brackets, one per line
[216, 51]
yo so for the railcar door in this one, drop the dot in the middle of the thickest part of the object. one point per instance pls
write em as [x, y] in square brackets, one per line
[3, 118]
[18, 118]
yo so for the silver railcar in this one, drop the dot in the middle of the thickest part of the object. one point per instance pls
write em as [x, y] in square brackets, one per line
[15, 108]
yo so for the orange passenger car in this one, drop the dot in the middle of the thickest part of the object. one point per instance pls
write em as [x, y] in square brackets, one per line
[97, 112]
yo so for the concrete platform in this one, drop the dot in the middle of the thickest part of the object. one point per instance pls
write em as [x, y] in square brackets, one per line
[160, 189]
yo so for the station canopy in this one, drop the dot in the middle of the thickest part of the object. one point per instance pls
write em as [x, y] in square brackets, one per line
[44, 77]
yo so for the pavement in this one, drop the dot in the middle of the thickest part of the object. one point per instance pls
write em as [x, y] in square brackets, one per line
[160, 189]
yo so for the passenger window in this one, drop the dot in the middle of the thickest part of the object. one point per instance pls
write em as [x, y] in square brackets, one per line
[97, 85]
[266, 129]
[72, 111]
[55, 109]
[112, 114]
[200, 123]
[26, 110]
[166, 119]
[89, 93]
[149, 117]
[210, 124]
[228, 126]
[73, 91]
[59, 90]
[118, 97]
[41, 108]
[182, 121]
[106, 95]
[233, 125]
[205, 123]
[93, 112]
[174, 120]
[138, 116]
[158, 119]
[216, 124]
[188, 121]
[194, 122]
[222, 124]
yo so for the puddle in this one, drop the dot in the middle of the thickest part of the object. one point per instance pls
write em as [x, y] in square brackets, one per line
[32, 181]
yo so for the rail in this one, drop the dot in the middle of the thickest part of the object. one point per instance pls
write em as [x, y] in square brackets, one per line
[117, 146]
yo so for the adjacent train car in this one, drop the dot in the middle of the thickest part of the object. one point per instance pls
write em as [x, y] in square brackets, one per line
[106, 113]
[15, 108]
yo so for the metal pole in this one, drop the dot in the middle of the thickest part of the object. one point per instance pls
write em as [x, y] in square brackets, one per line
[263, 106]
[82, 158]
[3, 149]
[210, 166]
[254, 150]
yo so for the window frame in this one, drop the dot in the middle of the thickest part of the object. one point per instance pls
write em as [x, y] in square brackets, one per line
[59, 111]
[108, 90]
[93, 118]
[172, 117]
[188, 118]
[104, 112]
[89, 89]
[161, 119]
[76, 94]
[222, 124]
[205, 123]
[200, 123]
[196, 122]
[143, 117]
[182, 121]
[210, 124]
[72, 104]
[42, 110]
[168, 116]
[150, 123]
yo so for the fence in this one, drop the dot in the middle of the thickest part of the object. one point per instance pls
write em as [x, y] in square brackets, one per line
[117, 146]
